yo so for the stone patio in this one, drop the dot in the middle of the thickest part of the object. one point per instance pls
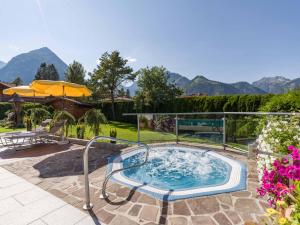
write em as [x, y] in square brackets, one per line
[58, 170]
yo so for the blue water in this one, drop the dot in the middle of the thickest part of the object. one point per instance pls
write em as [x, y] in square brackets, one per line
[177, 169]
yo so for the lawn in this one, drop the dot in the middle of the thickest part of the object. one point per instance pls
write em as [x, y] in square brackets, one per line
[4, 129]
[129, 132]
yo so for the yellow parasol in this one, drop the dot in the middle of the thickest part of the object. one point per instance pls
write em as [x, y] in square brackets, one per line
[60, 88]
[24, 91]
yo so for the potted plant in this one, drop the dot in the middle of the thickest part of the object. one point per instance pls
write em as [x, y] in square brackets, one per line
[27, 122]
[80, 130]
[113, 133]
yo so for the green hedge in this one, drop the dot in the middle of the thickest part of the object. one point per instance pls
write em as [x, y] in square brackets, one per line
[230, 103]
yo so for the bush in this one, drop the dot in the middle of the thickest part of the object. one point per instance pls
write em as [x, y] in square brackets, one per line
[289, 102]
[4, 107]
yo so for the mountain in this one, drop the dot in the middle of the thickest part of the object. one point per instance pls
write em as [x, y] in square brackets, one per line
[276, 85]
[246, 88]
[26, 65]
[2, 64]
[177, 79]
[132, 88]
[201, 84]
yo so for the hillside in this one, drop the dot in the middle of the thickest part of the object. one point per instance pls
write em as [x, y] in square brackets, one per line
[201, 84]
[2, 64]
[276, 85]
[246, 88]
[26, 65]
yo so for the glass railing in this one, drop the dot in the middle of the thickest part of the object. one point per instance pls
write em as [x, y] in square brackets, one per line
[228, 129]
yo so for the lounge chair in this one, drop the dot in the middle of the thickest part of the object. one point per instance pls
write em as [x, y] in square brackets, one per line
[25, 139]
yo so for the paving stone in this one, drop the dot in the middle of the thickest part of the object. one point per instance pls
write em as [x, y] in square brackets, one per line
[57, 193]
[31, 196]
[222, 219]
[204, 205]
[123, 192]
[120, 208]
[181, 208]
[225, 207]
[105, 216]
[11, 180]
[167, 210]
[264, 205]
[71, 200]
[241, 194]
[246, 205]
[135, 209]
[233, 216]
[15, 189]
[67, 215]
[32, 212]
[177, 221]
[9, 204]
[135, 196]
[38, 222]
[151, 223]
[81, 192]
[122, 220]
[147, 200]
[149, 213]
[205, 220]
[225, 199]
[246, 217]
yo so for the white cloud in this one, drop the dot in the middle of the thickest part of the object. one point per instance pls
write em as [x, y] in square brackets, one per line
[131, 59]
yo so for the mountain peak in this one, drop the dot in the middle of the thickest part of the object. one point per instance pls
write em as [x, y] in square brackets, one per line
[26, 65]
[200, 77]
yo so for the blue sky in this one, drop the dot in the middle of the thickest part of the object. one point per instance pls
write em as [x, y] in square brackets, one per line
[222, 40]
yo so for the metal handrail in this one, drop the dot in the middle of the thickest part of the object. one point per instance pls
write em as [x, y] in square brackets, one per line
[88, 205]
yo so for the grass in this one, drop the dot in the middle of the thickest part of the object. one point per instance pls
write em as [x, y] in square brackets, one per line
[4, 129]
[129, 132]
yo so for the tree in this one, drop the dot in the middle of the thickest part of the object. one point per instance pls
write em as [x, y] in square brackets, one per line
[154, 89]
[110, 73]
[18, 81]
[47, 72]
[75, 73]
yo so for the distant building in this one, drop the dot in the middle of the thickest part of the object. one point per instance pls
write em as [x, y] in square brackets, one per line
[76, 108]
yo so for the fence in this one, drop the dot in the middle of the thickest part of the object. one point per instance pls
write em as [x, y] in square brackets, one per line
[233, 129]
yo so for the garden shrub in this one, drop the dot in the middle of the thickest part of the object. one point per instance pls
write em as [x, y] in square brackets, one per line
[4, 107]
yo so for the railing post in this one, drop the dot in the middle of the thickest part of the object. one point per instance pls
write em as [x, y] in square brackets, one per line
[176, 128]
[138, 125]
[224, 132]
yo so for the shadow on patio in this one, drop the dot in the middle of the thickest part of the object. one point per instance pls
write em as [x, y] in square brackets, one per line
[69, 163]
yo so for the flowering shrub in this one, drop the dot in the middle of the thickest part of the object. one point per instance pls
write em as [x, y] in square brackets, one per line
[282, 186]
[286, 212]
[276, 182]
[279, 133]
